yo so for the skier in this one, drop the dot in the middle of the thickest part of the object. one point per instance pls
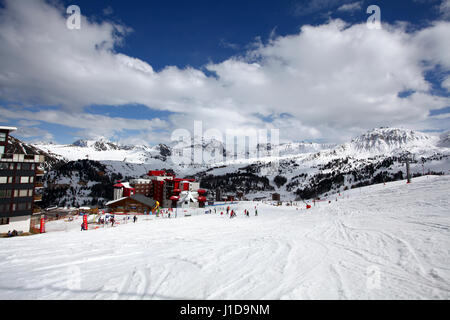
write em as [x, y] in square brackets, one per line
[112, 222]
[256, 212]
[221, 213]
[134, 219]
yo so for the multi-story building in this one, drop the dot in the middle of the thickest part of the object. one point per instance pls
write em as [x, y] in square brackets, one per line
[165, 188]
[21, 186]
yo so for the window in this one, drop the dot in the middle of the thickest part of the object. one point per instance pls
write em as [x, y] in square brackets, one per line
[24, 179]
[5, 193]
[4, 180]
[19, 166]
[25, 166]
[23, 193]
[11, 166]
[4, 221]
[2, 137]
[4, 166]
[14, 207]
[4, 207]
[2, 149]
[21, 206]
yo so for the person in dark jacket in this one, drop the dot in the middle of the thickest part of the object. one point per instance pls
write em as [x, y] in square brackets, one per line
[134, 219]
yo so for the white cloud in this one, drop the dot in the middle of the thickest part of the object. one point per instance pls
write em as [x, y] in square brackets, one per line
[33, 132]
[334, 80]
[313, 6]
[28, 123]
[446, 83]
[445, 8]
[228, 45]
[89, 125]
[108, 11]
[350, 7]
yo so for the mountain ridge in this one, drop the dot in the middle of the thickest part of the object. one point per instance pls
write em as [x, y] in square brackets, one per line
[301, 171]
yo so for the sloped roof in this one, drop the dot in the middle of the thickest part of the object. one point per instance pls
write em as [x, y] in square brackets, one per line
[144, 200]
[138, 198]
[114, 201]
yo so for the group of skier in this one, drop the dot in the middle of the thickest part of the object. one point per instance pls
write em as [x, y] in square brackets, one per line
[232, 212]
[229, 211]
[105, 221]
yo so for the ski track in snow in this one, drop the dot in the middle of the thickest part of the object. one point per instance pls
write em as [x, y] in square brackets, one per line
[323, 253]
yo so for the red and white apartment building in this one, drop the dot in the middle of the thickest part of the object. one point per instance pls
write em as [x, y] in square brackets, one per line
[168, 190]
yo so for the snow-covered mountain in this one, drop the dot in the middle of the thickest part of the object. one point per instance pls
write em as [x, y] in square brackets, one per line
[105, 150]
[101, 144]
[444, 140]
[19, 147]
[391, 141]
[300, 170]
[373, 157]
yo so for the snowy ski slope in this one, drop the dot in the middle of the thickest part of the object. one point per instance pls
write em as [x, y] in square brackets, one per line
[380, 242]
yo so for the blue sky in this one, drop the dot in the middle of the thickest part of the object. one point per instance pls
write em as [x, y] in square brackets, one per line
[191, 33]
[226, 63]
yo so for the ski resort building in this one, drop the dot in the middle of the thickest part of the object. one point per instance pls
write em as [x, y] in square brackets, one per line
[137, 203]
[21, 186]
[168, 190]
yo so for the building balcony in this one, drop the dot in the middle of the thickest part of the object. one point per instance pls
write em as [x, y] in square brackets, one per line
[39, 172]
[37, 198]
[30, 158]
[38, 185]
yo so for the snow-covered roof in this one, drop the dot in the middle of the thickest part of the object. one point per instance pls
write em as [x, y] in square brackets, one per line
[141, 181]
[8, 128]
[125, 185]
[114, 201]
[137, 197]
